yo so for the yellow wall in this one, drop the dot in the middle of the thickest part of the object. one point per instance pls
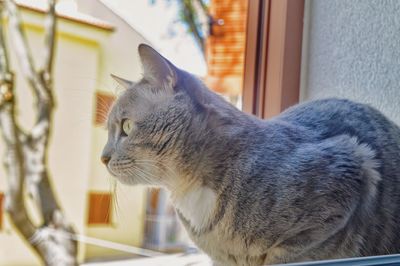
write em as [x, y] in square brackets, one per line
[118, 56]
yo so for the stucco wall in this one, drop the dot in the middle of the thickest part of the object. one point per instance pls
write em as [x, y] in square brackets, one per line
[352, 50]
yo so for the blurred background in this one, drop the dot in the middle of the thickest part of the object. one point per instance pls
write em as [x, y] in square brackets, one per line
[262, 56]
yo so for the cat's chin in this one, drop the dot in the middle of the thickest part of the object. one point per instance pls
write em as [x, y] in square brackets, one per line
[131, 181]
[127, 180]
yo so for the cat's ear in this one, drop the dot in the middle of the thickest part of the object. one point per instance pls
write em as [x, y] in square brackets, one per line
[157, 69]
[126, 84]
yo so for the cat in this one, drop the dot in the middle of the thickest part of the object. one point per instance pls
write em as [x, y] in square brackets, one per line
[319, 181]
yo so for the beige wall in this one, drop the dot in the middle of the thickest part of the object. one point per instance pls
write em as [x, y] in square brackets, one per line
[118, 56]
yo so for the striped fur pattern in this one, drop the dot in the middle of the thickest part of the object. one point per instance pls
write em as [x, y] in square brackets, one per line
[319, 181]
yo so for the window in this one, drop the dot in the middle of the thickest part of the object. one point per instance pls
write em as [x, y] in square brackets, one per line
[103, 104]
[273, 56]
[100, 207]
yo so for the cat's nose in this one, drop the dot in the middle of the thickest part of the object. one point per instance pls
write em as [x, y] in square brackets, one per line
[105, 159]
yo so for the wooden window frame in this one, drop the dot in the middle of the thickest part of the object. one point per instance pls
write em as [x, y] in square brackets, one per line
[273, 56]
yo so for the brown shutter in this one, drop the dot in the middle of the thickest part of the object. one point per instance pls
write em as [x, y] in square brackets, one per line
[103, 104]
[99, 208]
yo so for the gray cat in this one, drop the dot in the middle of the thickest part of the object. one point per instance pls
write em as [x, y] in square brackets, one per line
[319, 181]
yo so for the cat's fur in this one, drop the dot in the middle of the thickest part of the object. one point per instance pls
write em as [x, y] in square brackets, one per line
[319, 181]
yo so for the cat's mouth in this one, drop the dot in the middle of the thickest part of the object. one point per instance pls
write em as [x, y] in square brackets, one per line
[123, 178]
[112, 172]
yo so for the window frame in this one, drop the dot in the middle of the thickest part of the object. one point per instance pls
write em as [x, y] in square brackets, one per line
[273, 56]
[393, 259]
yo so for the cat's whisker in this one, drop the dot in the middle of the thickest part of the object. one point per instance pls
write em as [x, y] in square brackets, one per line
[104, 107]
[102, 101]
[113, 189]
[165, 170]
[149, 175]
[102, 115]
[138, 173]
[103, 104]
[155, 164]
[132, 171]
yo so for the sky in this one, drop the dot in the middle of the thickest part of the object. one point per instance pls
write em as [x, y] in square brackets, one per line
[158, 23]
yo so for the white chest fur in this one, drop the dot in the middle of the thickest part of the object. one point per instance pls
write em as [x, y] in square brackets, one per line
[197, 206]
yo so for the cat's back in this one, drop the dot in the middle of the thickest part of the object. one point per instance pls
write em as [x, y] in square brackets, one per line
[332, 117]
[329, 118]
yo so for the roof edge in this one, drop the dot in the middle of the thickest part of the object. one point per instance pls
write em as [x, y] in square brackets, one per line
[103, 26]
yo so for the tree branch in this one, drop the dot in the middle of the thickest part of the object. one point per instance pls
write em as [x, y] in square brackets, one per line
[15, 204]
[23, 52]
[37, 141]
[4, 62]
[50, 31]
[26, 158]
[189, 17]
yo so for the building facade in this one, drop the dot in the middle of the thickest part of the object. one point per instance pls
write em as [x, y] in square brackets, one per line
[87, 51]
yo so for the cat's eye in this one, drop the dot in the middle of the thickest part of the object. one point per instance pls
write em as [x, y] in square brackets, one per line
[127, 126]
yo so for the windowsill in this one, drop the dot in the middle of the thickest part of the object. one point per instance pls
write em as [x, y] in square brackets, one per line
[361, 261]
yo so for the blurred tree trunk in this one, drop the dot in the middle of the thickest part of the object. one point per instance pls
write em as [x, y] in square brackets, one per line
[26, 152]
[194, 14]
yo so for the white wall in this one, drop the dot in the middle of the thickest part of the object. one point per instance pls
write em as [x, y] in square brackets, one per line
[352, 50]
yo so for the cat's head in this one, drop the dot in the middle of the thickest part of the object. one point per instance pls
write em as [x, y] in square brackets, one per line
[151, 120]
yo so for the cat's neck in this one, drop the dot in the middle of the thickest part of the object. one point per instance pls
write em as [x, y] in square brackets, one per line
[197, 206]
[214, 135]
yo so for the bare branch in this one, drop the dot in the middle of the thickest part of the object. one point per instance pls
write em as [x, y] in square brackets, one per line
[27, 153]
[24, 54]
[38, 140]
[4, 62]
[50, 31]
[15, 204]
